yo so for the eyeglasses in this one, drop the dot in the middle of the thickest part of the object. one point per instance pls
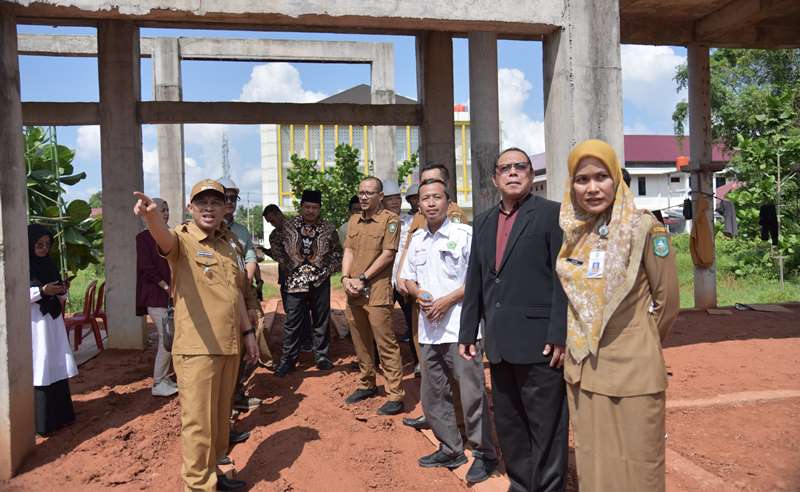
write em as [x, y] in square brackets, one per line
[518, 166]
[231, 198]
[43, 244]
[367, 194]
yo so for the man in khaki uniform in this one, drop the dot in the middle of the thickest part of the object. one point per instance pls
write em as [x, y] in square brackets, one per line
[372, 239]
[211, 297]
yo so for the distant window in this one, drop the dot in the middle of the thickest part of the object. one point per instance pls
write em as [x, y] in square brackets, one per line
[641, 182]
[675, 179]
[720, 181]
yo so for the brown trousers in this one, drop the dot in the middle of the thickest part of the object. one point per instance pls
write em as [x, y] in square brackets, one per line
[262, 336]
[619, 441]
[205, 389]
[375, 323]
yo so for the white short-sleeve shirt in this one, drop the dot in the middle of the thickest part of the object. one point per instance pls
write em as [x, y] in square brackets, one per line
[438, 263]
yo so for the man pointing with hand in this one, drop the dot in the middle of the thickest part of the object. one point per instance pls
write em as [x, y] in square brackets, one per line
[211, 298]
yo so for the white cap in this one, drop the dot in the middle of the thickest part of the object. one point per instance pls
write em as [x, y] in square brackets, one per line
[228, 184]
[390, 188]
[412, 190]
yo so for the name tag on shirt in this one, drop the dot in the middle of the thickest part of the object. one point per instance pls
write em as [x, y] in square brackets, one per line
[597, 261]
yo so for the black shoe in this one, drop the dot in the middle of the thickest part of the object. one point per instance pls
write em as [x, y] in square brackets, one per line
[417, 371]
[225, 460]
[238, 437]
[442, 459]
[481, 469]
[391, 408]
[324, 364]
[418, 423]
[284, 369]
[244, 403]
[360, 394]
[225, 483]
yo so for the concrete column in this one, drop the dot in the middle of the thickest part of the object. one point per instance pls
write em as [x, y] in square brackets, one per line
[167, 87]
[484, 118]
[701, 180]
[270, 162]
[121, 167]
[16, 369]
[382, 92]
[435, 92]
[582, 85]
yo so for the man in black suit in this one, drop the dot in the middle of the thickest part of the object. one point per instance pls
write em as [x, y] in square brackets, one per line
[511, 285]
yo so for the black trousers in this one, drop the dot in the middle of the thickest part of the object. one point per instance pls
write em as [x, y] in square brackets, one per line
[531, 418]
[297, 306]
[405, 306]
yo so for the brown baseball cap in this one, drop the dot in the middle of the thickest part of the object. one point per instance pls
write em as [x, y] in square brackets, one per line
[206, 185]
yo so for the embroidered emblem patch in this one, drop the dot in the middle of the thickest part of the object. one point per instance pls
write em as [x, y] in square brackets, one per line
[451, 245]
[661, 246]
[392, 227]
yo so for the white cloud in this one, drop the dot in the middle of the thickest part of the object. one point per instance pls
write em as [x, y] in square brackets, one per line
[87, 144]
[277, 82]
[517, 128]
[648, 86]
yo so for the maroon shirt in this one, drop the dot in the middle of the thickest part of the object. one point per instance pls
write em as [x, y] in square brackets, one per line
[151, 268]
[505, 222]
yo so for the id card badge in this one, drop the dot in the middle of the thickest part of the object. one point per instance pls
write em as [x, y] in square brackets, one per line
[597, 262]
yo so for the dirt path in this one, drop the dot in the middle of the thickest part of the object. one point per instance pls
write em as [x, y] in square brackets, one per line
[732, 421]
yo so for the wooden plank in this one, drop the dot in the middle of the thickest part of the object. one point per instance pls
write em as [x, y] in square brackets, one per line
[255, 113]
[60, 113]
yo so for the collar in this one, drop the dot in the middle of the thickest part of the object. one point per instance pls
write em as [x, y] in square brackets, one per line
[200, 234]
[443, 230]
[516, 207]
[363, 218]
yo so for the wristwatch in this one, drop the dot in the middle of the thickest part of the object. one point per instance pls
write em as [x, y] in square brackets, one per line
[363, 278]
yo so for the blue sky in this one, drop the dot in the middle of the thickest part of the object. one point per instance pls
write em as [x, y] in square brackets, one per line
[648, 91]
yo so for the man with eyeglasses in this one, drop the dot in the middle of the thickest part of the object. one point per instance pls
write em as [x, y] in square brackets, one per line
[241, 402]
[369, 250]
[211, 296]
[512, 288]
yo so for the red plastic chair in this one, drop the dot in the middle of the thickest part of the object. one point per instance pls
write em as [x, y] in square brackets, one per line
[100, 307]
[77, 321]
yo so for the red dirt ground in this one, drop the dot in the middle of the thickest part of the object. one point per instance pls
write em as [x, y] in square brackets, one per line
[304, 437]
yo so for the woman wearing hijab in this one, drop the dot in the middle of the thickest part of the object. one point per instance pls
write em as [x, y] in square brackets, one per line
[618, 271]
[53, 362]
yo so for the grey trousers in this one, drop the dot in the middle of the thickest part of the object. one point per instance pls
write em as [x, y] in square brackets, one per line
[441, 360]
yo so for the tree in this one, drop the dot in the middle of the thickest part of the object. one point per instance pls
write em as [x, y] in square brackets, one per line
[337, 183]
[96, 200]
[251, 218]
[755, 112]
[407, 168]
[78, 238]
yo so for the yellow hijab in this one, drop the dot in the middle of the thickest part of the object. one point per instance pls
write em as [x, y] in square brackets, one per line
[592, 301]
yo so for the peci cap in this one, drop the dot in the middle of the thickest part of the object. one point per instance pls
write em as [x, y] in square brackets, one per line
[206, 185]
[311, 196]
[390, 188]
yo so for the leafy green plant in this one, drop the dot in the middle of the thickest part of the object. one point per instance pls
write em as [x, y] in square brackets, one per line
[79, 237]
[407, 168]
[337, 183]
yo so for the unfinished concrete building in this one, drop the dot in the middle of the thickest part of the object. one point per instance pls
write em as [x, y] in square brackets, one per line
[582, 93]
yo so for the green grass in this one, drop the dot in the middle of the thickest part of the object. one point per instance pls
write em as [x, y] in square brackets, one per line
[732, 289]
[77, 288]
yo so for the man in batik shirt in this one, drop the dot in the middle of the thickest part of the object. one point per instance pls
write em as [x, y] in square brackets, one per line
[311, 251]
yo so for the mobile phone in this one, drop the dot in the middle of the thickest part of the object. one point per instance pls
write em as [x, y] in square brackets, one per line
[69, 279]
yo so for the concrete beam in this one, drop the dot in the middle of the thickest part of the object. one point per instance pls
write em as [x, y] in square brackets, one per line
[484, 119]
[281, 113]
[382, 92]
[739, 14]
[701, 180]
[121, 168]
[16, 369]
[167, 87]
[582, 85]
[502, 16]
[435, 92]
[60, 113]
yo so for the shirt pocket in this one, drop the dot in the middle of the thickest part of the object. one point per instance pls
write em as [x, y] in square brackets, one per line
[452, 264]
[209, 270]
[372, 240]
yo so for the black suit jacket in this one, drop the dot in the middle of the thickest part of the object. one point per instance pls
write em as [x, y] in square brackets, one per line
[523, 304]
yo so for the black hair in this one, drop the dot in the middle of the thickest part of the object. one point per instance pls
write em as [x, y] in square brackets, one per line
[376, 179]
[433, 165]
[431, 181]
[271, 209]
[513, 149]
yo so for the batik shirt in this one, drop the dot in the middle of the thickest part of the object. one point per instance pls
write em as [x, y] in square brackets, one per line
[310, 252]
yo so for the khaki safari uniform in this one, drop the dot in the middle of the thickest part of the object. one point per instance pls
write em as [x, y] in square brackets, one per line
[617, 398]
[207, 278]
[372, 316]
